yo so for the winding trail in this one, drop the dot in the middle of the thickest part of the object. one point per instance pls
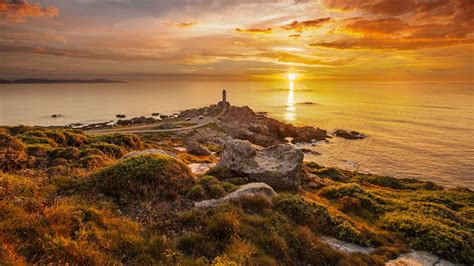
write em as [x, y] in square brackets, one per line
[143, 128]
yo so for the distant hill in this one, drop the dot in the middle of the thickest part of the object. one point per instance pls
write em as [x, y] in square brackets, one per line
[41, 81]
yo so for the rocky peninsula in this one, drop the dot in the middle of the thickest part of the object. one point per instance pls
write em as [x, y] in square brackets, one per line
[101, 195]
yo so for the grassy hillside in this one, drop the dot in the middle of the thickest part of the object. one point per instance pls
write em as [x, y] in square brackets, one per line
[66, 197]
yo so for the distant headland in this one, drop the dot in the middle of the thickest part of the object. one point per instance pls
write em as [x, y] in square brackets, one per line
[49, 81]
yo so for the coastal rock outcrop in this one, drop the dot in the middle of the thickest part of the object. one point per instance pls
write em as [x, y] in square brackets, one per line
[248, 190]
[349, 134]
[279, 166]
[136, 120]
[244, 123]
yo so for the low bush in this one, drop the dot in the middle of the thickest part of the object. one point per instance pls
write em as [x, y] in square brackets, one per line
[208, 187]
[145, 176]
[38, 150]
[424, 233]
[220, 173]
[318, 219]
[91, 162]
[128, 141]
[69, 153]
[111, 150]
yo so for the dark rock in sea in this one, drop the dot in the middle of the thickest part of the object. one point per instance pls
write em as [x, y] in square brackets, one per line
[279, 166]
[56, 115]
[120, 116]
[309, 151]
[349, 134]
[155, 114]
[307, 103]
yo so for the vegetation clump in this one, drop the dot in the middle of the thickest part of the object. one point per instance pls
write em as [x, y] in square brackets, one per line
[208, 187]
[145, 176]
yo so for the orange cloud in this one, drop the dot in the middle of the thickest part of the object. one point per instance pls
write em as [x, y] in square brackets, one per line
[17, 10]
[377, 26]
[255, 31]
[303, 25]
[390, 44]
[186, 24]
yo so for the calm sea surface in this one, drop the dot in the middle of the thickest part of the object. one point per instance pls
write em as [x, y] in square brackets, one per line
[417, 130]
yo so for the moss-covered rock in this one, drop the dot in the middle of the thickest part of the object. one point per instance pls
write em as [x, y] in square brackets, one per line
[145, 176]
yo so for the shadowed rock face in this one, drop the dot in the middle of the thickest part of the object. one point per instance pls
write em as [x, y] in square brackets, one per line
[248, 190]
[279, 166]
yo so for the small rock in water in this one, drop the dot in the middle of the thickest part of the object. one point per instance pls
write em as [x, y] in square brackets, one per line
[155, 114]
[349, 135]
[56, 115]
[309, 151]
[120, 116]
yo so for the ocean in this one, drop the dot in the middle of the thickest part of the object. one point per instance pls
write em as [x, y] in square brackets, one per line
[415, 129]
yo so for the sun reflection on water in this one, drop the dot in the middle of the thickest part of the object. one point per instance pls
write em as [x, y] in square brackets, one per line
[290, 113]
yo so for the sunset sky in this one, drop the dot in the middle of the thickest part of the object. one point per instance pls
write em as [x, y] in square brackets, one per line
[327, 39]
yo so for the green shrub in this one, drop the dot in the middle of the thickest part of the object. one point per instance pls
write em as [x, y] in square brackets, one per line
[91, 162]
[128, 141]
[209, 187]
[56, 135]
[12, 153]
[151, 176]
[196, 245]
[75, 139]
[355, 198]
[254, 204]
[110, 150]
[220, 173]
[69, 153]
[318, 219]
[91, 151]
[223, 226]
[383, 181]
[332, 173]
[424, 233]
[38, 150]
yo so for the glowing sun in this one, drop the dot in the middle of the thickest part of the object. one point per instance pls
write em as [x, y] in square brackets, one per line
[292, 76]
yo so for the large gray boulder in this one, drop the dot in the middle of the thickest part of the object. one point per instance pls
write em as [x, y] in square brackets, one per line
[279, 166]
[248, 190]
